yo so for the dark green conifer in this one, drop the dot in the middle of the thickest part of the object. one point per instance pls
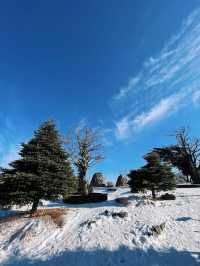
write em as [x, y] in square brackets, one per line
[154, 176]
[42, 172]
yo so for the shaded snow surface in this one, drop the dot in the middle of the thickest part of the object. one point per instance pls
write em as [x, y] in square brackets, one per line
[89, 238]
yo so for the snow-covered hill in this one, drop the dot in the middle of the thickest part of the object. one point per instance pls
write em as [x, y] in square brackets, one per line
[90, 236]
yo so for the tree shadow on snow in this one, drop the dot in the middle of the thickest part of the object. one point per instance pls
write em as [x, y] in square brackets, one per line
[121, 257]
[8, 212]
[108, 203]
[185, 219]
[187, 196]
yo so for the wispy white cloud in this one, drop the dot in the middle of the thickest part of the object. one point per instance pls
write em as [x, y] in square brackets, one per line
[125, 90]
[196, 97]
[166, 83]
[123, 127]
[130, 124]
[158, 111]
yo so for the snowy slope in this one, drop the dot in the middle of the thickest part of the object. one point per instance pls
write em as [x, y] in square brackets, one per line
[108, 240]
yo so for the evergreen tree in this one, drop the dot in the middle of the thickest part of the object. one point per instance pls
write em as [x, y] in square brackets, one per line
[5, 196]
[137, 180]
[43, 171]
[71, 186]
[154, 176]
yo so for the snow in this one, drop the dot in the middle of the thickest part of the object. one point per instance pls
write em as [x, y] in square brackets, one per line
[88, 237]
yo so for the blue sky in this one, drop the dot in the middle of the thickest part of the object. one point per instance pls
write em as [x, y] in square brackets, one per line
[129, 68]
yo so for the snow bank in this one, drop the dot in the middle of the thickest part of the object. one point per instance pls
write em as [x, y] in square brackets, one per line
[89, 237]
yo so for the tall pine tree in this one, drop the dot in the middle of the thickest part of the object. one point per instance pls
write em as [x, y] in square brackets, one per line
[42, 172]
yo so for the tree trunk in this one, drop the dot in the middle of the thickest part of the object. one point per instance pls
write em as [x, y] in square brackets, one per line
[153, 193]
[195, 176]
[35, 205]
[82, 187]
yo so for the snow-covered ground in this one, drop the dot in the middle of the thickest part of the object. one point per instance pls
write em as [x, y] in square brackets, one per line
[88, 237]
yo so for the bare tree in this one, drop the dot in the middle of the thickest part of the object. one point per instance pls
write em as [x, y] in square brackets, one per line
[185, 155]
[190, 150]
[85, 151]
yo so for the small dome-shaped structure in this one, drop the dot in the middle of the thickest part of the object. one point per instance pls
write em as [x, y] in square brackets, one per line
[98, 180]
[121, 181]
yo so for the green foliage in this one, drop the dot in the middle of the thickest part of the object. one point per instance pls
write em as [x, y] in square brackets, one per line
[185, 155]
[43, 171]
[5, 191]
[154, 176]
[72, 186]
[137, 180]
[175, 156]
